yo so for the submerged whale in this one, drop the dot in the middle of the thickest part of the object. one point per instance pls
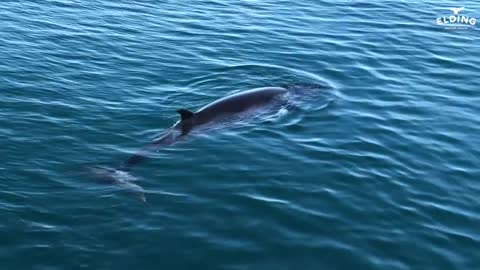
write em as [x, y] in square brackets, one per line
[221, 109]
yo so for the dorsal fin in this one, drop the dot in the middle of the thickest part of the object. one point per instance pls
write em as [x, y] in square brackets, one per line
[185, 114]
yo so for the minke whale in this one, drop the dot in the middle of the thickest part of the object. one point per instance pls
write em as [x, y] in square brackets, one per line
[224, 108]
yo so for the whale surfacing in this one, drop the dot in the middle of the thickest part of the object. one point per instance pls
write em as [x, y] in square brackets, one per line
[229, 106]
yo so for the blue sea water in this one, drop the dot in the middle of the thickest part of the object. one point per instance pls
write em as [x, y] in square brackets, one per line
[378, 171]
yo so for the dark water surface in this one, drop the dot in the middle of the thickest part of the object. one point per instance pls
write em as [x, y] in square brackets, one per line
[380, 171]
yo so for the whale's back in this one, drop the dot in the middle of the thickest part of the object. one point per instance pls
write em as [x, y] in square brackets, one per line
[237, 103]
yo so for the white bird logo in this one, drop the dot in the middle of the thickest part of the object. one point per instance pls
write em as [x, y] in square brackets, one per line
[456, 10]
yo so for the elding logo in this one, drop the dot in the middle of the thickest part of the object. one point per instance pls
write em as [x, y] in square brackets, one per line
[456, 19]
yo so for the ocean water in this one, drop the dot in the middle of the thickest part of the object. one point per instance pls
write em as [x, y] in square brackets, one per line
[379, 170]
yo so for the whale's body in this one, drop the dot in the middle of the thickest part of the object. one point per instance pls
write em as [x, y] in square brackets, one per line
[229, 106]
[236, 103]
[226, 107]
